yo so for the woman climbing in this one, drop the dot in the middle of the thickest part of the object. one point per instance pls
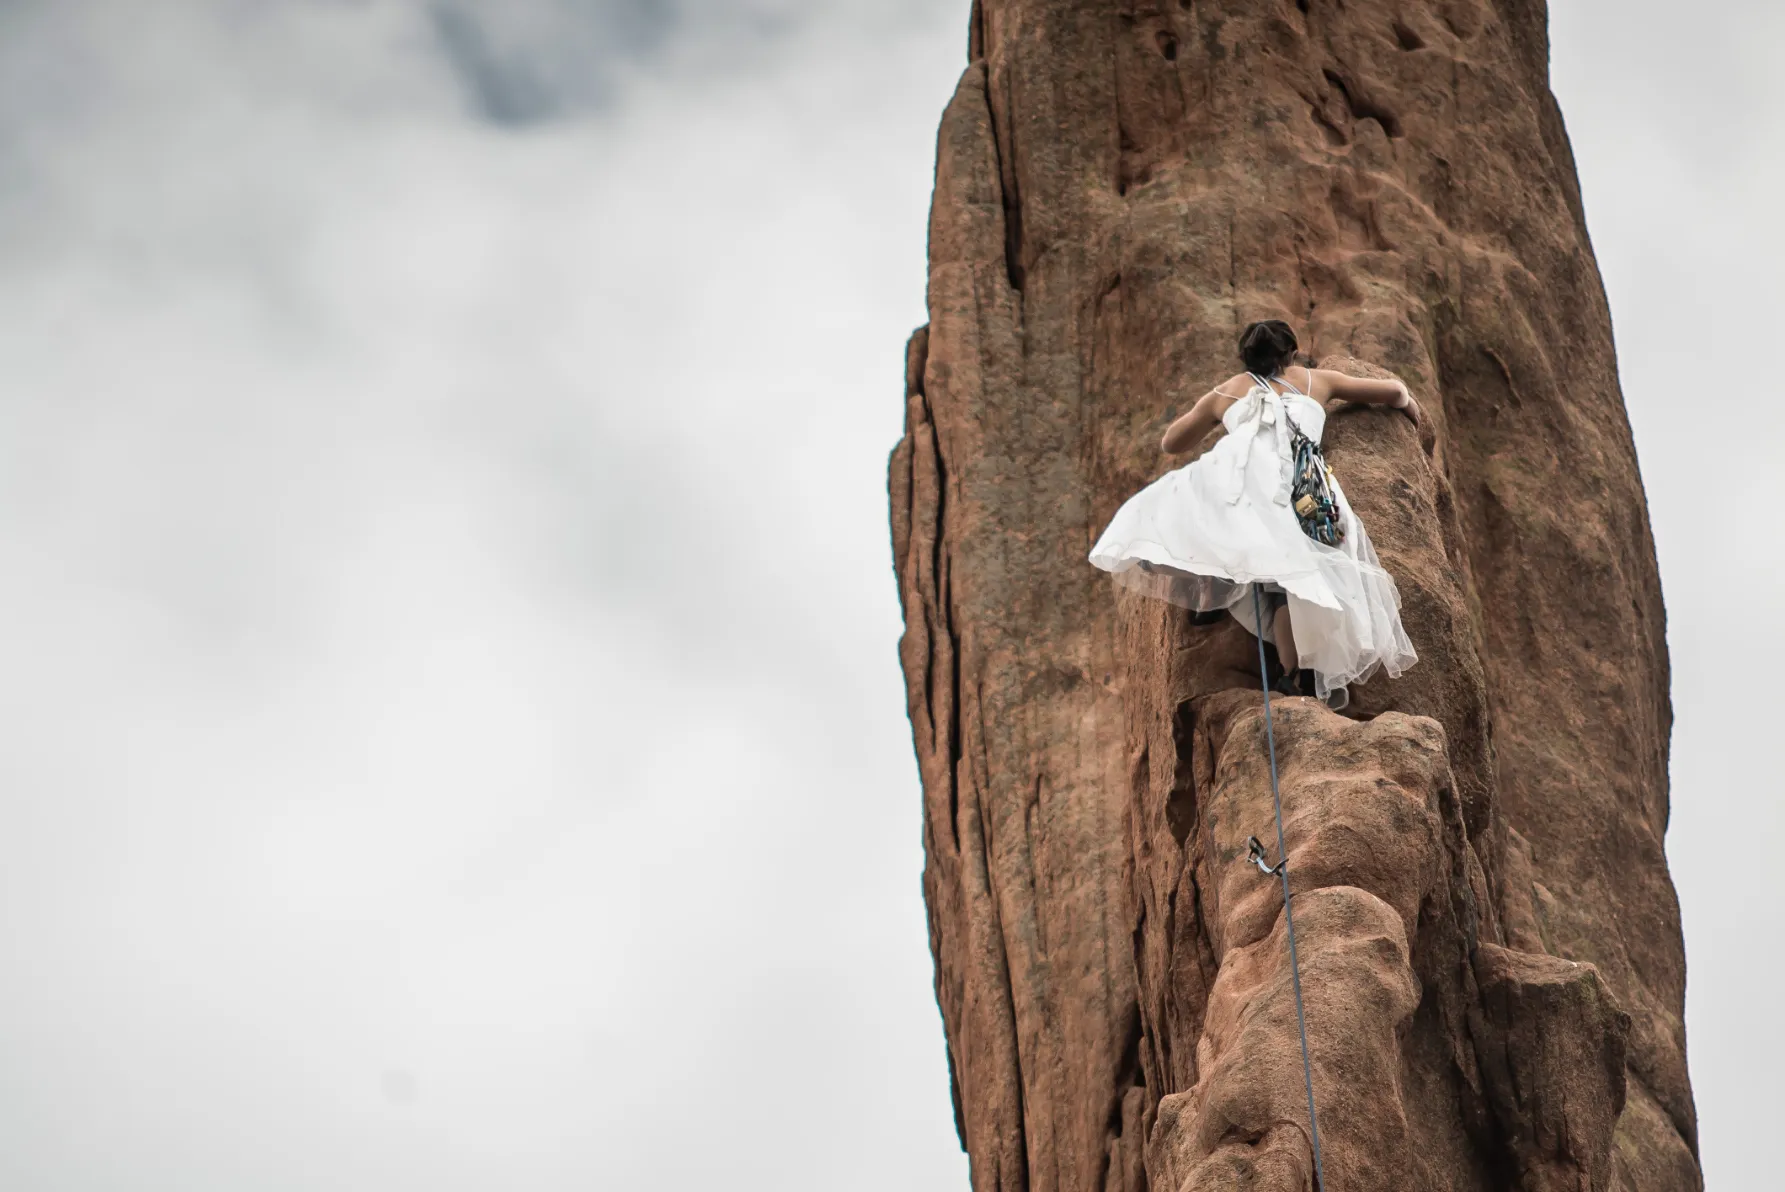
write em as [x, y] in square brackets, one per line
[1261, 508]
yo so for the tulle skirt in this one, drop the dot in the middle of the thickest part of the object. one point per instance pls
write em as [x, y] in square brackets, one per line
[1183, 540]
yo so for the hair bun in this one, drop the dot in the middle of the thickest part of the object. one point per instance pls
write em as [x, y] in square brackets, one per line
[1267, 346]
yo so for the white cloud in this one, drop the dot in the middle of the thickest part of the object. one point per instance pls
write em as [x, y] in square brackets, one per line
[457, 736]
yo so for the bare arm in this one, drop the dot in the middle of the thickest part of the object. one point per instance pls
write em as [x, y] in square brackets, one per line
[1187, 431]
[1326, 385]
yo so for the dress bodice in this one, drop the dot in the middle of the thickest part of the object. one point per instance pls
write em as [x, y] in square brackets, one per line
[1309, 415]
[1259, 422]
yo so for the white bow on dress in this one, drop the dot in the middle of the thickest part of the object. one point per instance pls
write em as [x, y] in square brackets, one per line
[1261, 407]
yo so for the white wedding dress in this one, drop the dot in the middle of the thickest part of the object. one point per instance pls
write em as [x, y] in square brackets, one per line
[1200, 536]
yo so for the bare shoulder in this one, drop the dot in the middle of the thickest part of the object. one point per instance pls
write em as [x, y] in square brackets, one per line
[1324, 384]
[1230, 391]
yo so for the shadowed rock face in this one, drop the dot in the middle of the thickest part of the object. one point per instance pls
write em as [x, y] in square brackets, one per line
[1490, 942]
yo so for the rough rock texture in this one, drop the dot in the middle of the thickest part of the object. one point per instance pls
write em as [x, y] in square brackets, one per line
[1489, 938]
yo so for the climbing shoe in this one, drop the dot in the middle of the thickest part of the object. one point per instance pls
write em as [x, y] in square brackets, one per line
[1296, 682]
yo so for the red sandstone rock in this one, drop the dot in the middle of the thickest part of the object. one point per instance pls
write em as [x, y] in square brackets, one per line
[1490, 944]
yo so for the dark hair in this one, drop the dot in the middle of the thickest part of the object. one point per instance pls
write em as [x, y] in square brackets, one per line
[1267, 348]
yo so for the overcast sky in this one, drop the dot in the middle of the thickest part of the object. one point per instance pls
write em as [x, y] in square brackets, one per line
[455, 736]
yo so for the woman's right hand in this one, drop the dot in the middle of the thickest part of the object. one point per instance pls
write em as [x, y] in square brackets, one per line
[1428, 438]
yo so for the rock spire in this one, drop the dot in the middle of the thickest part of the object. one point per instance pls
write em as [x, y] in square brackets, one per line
[1490, 940]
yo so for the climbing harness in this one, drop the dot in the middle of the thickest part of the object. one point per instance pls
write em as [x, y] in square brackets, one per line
[1255, 855]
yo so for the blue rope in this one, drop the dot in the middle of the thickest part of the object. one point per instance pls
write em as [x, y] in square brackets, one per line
[1301, 1020]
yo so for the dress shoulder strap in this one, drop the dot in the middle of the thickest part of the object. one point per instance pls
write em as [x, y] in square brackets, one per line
[1291, 386]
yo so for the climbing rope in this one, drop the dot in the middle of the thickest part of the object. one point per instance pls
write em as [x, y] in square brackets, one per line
[1255, 854]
